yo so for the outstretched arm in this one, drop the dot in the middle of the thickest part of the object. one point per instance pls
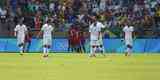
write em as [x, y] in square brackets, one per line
[39, 34]
[15, 33]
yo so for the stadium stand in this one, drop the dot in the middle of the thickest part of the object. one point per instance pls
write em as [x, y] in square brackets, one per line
[143, 14]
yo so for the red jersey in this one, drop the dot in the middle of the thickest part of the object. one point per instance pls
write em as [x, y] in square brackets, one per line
[37, 22]
[74, 36]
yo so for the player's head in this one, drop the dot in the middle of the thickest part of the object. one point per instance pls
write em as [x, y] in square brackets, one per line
[77, 19]
[125, 23]
[94, 17]
[20, 22]
[130, 24]
[48, 21]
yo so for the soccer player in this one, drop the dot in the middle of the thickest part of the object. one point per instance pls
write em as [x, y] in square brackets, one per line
[128, 30]
[20, 31]
[82, 42]
[47, 30]
[101, 46]
[71, 40]
[95, 35]
[28, 38]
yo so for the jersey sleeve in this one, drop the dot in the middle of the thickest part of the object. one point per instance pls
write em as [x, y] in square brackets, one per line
[90, 27]
[42, 29]
[102, 26]
[52, 28]
[16, 28]
[132, 29]
[124, 29]
[25, 27]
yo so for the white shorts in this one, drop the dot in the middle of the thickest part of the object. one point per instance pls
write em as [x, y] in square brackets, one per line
[20, 40]
[47, 41]
[94, 43]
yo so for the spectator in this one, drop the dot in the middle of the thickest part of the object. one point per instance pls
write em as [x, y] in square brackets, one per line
[3, 14]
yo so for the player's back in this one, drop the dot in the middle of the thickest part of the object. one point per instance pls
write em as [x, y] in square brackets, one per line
[128, 31]
[21, 29]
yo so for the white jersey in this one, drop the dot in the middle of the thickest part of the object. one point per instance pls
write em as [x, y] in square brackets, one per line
[21, 31]
[47, 30]
[95, 30]
[47, 34]
[128, 34]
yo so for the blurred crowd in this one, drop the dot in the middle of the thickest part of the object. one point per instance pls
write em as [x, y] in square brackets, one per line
[144, 15]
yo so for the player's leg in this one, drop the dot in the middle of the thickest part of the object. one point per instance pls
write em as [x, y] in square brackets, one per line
[102, 51]
[45, 47]
[21, 48]
[93, 51]
[79, 48]
[48, 48]
[49, 43]
[82, 48]
[93, 48]
[129, 47]
[45, 54]
[129, 50]
[101, 47]
[21, 44]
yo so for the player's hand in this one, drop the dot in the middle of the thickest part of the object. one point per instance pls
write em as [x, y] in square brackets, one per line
[15, 34]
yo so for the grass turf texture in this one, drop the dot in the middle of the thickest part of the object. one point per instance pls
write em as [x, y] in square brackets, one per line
[79, 67]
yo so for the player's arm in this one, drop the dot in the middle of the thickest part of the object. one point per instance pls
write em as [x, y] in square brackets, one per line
[15, 31]
[53, 30]
[134, 35]
[71, 33]
[104, 29]
[122, 34]
[26, 30]
[39, 33]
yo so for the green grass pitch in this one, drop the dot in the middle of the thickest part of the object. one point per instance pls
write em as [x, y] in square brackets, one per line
[79, 67]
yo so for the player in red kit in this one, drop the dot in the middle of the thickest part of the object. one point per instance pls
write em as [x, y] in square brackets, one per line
[71, 40]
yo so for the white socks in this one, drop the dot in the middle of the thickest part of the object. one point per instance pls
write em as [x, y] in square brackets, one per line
[129, 50]
[45, 50]
[48, 50]
[101, 49]
[92, 51]
[21, 49]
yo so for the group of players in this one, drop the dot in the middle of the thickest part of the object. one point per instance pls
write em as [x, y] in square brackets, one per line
[96, 31]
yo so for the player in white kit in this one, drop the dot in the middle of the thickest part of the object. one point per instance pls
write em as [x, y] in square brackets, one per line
[128, 38]
[95, 36]
[47, 30]
[20, 31]
[101, 45]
